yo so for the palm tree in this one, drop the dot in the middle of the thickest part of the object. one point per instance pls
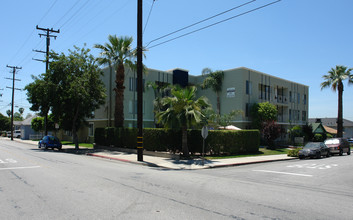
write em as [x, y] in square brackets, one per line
[117, 53]
[334, 79]
[183, 110]
[214, 81]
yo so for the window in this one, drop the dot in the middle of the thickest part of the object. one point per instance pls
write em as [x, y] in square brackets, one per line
[290, 114]
[304, 99]
[68, 133]
[298, 98]
[248, 87]
[264, 92]
[91, 129]
[290, 96]
[304, 116]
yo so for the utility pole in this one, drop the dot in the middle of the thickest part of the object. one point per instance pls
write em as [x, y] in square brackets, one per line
[13, 93]
[48, 36]
[139, 82]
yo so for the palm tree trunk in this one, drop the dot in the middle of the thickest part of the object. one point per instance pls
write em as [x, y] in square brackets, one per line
[340, 112]
[119, 96]
[184, 141]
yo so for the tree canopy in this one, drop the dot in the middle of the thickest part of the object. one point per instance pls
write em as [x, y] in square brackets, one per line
[5, 123]
[183, 110]
[117, 53]
[214, 80]
[72, 88]
[263, 112]
[334, 79]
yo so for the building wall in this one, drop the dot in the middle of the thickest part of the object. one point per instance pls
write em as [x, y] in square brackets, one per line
[242, 87]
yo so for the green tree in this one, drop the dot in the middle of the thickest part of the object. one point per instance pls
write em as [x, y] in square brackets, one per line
[263, 112]
[117, 53]
[160, 90]
[37, 124]
[5, 123]
[8, 112]
[214, 80]
[21, 110]
[17, 117]
[79, 90]
[334, 79]
[183, 110]
[40, 93]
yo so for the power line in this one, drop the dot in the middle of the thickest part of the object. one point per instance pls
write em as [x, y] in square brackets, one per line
[191, 32]
[76, 12]
[46, 13]
[67, 12]
[148, 17]
[199, 22]
[30, 35]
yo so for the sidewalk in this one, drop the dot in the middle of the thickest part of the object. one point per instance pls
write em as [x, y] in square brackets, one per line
[167, 162]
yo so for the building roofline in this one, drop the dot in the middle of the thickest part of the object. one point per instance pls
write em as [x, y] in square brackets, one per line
[177, 68]
[246, 68]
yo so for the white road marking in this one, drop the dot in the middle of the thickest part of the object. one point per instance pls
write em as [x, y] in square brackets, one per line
[18, 168]
[294, 174]
[313, 166]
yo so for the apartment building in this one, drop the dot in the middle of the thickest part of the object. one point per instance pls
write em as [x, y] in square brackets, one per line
[242, 87]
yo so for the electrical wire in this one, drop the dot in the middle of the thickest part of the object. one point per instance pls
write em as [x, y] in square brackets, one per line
[30, 35]
[76, 12]
[199, 22]
[191, 32]
[148, 18]
[67, 12]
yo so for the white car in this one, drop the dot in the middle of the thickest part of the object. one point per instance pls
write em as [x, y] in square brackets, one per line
[16, 134]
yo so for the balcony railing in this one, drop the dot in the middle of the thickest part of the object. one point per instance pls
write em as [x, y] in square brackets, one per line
[281, 99]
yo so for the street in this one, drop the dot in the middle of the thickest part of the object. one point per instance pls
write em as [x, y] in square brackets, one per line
[38, 184]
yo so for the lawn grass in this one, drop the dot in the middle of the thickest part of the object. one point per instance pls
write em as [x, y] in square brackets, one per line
[261, 152]
[87, 145]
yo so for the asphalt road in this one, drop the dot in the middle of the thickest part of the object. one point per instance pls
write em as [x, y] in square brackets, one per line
[37, 184]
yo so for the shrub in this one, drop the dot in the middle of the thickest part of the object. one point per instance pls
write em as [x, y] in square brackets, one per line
[294, 152]
[318, 138]
[109, 135]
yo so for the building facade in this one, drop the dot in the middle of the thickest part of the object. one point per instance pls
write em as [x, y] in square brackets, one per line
[241, 88]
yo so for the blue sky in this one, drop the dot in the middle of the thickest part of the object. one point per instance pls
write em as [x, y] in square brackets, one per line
[298, 40]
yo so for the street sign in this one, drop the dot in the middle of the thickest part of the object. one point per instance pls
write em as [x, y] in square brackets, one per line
[204, 132]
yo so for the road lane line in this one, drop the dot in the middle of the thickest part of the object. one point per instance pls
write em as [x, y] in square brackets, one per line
[18, 168]
[294, 174]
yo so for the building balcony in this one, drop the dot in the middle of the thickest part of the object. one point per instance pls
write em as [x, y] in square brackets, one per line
[281, 99]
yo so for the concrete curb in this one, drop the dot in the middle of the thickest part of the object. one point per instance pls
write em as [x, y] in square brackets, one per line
[250, 162]
[182, 168]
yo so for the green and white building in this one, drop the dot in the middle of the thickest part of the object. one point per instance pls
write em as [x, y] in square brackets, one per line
[241, 88]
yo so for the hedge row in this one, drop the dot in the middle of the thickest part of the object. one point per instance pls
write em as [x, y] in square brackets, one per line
[157, 139]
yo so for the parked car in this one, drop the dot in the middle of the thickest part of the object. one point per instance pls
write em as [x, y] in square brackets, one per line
[16, 134]
[314, 149]
[50, 142]
[338, 146]
[350, 140]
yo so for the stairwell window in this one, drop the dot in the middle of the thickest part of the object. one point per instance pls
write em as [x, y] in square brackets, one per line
[248, 87]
